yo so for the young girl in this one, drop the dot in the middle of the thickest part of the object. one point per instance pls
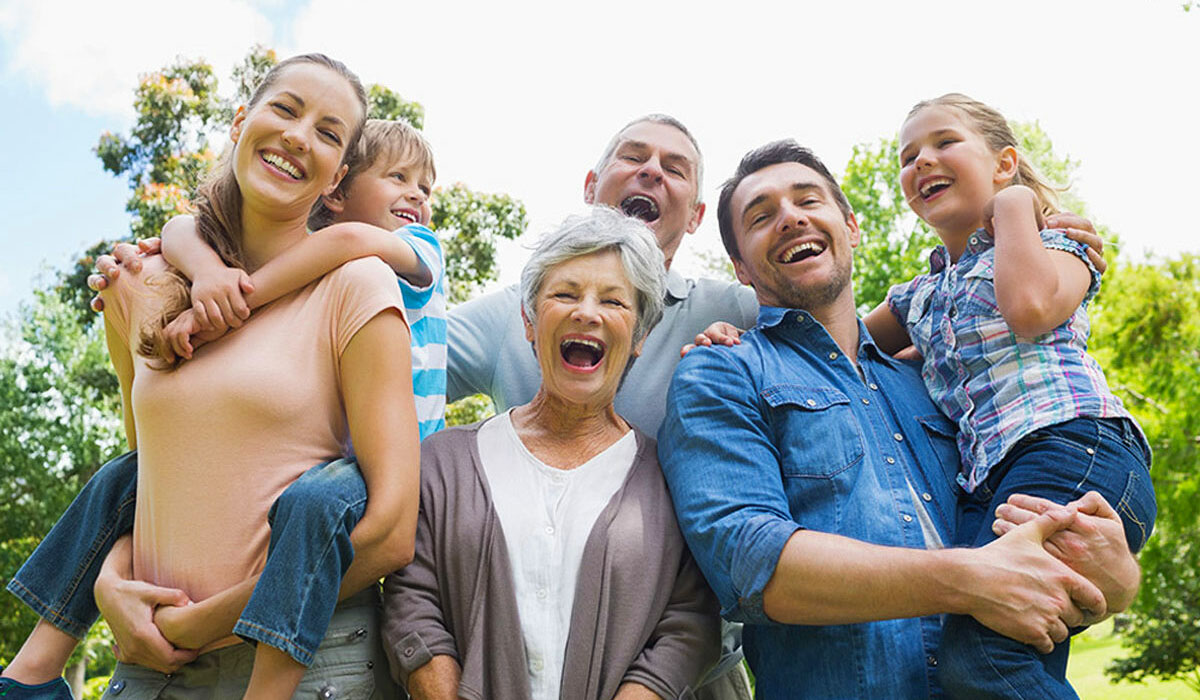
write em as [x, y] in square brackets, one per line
[1001, 324]
[222, 436]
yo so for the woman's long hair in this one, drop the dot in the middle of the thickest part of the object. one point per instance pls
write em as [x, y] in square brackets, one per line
[218, 203]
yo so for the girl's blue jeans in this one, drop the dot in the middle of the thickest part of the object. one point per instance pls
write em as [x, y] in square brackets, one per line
[1061, 463]
[294, 599]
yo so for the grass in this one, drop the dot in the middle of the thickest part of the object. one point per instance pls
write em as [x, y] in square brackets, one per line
[1090, 653]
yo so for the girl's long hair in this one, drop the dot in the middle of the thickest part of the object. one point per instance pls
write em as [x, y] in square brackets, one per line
[218, 204]
[994, 128]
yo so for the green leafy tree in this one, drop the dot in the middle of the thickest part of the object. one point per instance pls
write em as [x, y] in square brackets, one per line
[59, 421]
[1146, 334]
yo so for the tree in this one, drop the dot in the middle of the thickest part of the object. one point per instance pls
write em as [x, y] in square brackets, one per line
[1146, 335]
[59, 422]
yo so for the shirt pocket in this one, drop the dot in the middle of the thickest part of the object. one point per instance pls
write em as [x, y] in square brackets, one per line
[977, 295]
[943, 440]
[815, 430]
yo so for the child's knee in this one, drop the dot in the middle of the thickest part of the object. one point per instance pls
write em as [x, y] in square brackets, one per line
[332, 492]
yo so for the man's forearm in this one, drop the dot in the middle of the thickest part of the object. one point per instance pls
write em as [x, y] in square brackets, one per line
[436, 680]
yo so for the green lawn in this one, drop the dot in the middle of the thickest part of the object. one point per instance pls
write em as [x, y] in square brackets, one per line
[1091, 652]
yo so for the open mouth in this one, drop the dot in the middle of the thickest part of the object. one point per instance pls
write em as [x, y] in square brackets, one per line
[801, 251]
[934, 186]
[405, 214]
[282, 164]
[583, 353]
[639, 206]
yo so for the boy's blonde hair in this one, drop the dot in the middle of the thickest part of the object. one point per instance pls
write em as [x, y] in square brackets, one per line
[994, 129]
[382, 140]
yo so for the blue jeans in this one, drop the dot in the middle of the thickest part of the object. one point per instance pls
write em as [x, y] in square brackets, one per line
[290, 607]
[1061, 462]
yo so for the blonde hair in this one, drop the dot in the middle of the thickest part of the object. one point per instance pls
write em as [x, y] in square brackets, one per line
[382, 141]
[998, 135]
[218, 206]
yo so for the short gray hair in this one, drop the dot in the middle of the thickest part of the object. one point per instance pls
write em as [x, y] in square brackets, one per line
[603, 228]
[658, 119]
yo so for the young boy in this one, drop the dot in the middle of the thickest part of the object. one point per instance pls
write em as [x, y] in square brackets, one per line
[386, 187]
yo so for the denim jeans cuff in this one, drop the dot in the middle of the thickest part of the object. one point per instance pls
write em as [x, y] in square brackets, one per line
[253, 632]
[76, 628]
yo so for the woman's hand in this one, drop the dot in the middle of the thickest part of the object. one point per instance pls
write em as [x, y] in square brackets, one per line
[719, 333]
[128, 606]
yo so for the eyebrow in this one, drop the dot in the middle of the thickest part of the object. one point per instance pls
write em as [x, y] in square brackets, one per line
[670, 155]
[300, 101]
[796, 187]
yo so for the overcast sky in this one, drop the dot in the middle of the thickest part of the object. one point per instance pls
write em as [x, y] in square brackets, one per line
[522, 97]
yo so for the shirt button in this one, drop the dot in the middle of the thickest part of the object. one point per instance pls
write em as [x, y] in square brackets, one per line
[974, 240]
[833, 355]
[866, 402]
[873, 387]
[537, 665]
[549, 529]
[908, 518]
[898, 436]
[542, 593]
[891, 460]
[926, 497]
[931, 660]
[1091, 451]
[810, 402]
[409, 651]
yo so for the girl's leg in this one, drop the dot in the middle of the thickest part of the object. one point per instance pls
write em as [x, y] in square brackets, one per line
[56, 581]
[1059, 463]
[309, 554]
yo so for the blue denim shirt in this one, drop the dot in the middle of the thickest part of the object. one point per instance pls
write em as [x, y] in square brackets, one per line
[780, 433]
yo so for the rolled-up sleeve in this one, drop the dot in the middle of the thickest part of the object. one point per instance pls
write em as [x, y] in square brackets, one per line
[722, 468]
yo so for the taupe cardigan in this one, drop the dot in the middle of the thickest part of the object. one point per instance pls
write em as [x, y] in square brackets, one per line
[642, 612]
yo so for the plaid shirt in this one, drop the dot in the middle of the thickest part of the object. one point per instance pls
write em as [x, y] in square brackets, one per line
[997, 387]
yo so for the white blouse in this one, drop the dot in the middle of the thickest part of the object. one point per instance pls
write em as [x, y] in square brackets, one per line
[546, 515]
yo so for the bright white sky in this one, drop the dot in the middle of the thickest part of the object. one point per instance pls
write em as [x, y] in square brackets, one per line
[522, 97]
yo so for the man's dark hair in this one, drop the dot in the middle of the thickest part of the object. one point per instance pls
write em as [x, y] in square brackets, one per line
[784, 151]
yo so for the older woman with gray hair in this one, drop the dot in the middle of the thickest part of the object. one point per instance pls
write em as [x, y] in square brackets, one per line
[548, 562]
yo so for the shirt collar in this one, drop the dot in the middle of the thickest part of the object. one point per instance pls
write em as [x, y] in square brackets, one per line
[678, 288]
[771, 316]
[977, 243]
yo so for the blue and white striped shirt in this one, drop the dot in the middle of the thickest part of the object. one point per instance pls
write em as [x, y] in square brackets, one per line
[426, 309]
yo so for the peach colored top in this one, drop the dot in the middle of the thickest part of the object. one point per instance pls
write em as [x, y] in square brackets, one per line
[223, 435]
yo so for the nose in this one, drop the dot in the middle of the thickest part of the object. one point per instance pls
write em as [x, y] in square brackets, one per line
[295, 137]
[587, 311]
[924, 159]
[651, 170]
[792, 216]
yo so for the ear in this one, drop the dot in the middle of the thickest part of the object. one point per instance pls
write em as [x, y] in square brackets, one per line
[528, 325]
[335, 201]
[637, 349]
[697, 217]
[1006, 166]
[743, 276]
[852, 231]
[235, 128]
[337, 180]
[589, 187]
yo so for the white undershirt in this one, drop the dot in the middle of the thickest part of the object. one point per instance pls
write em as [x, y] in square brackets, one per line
[546, 515]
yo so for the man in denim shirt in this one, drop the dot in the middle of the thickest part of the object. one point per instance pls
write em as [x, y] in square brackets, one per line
[814, 479]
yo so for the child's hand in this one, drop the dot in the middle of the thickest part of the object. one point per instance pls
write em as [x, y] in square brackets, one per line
[184, 335]
[218, 300]
[720, 332]
[1010, 199]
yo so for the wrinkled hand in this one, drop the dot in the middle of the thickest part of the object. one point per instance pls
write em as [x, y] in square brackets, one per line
[124, 255]
[1082, 231]
[720, 333]
[218, 301]
[1018, 195]
[129, 607]
[1094, 545]
[1029, 595]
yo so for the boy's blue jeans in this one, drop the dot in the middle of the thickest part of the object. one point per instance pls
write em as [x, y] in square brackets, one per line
[1061, 463]
[290, 607]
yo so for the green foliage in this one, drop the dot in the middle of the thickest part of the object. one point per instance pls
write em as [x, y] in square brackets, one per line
[469, 224]
[470, 409]
[1146, 334]
[59, 421]
[382, 103]
[894, 243]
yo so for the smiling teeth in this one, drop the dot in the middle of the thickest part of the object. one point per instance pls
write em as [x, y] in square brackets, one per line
[588, 343]
[282, 164]
[792, 253]
[927, 188]
[405, 215]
